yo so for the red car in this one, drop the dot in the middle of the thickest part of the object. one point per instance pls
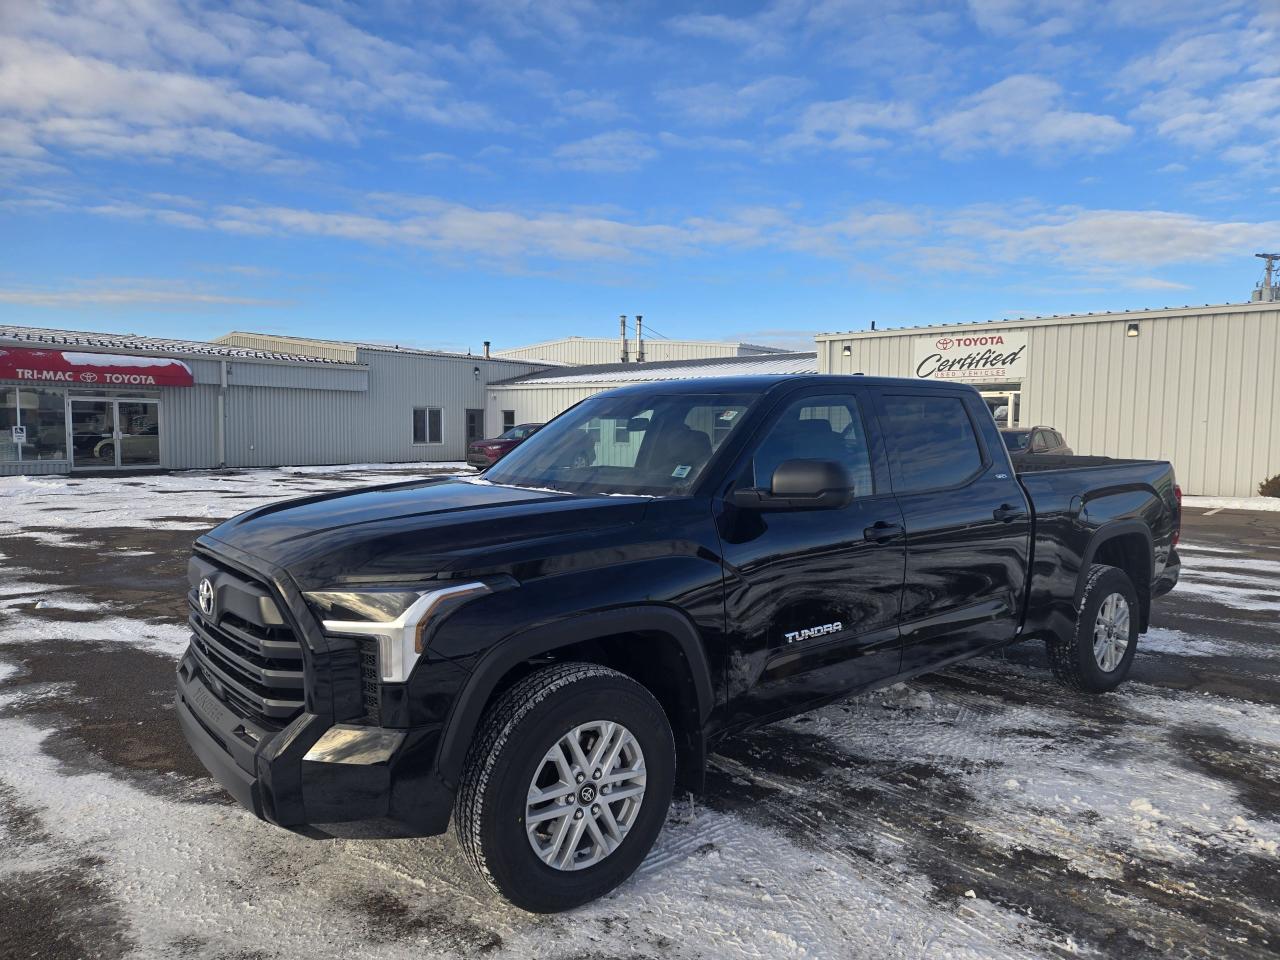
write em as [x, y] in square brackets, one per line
[485, 453]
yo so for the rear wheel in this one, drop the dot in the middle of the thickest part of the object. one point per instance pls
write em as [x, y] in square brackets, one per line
[1099, 654]
[566, 786]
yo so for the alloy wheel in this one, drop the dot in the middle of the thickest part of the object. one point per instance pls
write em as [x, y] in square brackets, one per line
[1111, 632]
[585, 795]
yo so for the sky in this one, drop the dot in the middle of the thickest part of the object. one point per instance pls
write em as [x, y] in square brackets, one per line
[440, 173]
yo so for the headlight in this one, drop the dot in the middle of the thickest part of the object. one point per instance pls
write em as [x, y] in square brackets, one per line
[399, 619]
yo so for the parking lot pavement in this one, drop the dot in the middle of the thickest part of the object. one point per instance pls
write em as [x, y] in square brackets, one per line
[981, 812]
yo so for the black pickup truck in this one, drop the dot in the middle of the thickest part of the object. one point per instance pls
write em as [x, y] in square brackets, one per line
[546, 651]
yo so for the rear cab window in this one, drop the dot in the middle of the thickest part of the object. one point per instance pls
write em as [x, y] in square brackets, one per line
[932, 441]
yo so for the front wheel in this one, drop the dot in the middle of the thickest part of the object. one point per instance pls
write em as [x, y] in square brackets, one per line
[566, 786]
[1098, 656]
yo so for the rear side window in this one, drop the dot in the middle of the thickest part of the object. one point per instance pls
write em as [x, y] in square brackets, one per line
[932, 442]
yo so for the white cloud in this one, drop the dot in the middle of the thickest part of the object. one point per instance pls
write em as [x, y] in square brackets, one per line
[111, 295]
[232, 86]
[618, 151]
[853, 125]
[719, 103]
[1025, 112]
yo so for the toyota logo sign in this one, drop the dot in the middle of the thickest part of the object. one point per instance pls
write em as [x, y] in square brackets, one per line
[205, 595]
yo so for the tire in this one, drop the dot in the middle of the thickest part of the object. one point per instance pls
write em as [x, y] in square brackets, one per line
[107, 453]
[512, 750]
[1089, 661]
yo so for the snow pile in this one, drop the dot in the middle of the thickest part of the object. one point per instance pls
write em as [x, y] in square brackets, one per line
[1233, 503]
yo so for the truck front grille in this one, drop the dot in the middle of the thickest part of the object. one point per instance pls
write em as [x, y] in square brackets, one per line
[255, 667]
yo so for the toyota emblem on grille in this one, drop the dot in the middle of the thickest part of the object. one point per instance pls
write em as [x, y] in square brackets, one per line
[205, 593]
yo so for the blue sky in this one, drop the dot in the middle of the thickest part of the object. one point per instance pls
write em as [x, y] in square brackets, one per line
[441, 173]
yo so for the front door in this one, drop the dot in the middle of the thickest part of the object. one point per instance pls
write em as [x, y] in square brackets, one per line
[114, 433]
[475, 425]
[93, 433]
[967, 524]
[812, 596]
[138, 424]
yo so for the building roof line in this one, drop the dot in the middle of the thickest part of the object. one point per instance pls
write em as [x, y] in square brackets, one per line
[90, 340]
[1057, 318]
[782, 363]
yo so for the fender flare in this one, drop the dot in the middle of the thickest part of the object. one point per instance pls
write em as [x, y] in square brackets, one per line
[1109, 531]
[468, 708]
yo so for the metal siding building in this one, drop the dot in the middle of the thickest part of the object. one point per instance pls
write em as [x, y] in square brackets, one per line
[538, 397]
[235, 405]
[1197, 386]
[583, 351]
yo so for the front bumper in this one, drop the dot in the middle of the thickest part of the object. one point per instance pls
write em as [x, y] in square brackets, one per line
[313, 772]
[477, 458]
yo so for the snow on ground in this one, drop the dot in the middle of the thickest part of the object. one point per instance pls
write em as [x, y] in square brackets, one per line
[53, 509]
[1233, 503]
[979, 813]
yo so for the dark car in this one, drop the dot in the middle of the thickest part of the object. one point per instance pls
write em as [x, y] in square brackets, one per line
[1034, 440]
[485, 453]
[543, 654]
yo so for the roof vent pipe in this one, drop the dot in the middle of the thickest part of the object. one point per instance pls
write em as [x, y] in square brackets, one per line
[622, 326]
[486, 349]
[639, 339]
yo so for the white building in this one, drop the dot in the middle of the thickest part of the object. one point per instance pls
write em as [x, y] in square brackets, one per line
[581, 351]
[1198, 386]
[539, 396]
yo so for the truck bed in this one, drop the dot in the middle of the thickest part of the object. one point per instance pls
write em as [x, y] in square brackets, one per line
[1073, 497]
[1039, 463]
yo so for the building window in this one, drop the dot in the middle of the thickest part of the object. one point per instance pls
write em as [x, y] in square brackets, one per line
[508, 420]
[40, 418]
[427, 425]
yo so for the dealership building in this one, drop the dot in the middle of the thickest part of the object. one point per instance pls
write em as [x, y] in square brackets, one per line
[537, 397]
[72, 400]
[1198, 386]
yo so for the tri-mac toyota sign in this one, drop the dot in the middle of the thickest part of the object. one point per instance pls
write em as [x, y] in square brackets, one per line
[991, 357]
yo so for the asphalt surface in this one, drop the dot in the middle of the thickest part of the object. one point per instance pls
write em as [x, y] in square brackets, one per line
[1018, 819]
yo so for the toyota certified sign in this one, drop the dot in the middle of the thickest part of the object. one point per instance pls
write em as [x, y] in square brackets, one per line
[972, 357]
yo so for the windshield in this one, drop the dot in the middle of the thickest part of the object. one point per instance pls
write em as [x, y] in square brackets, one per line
[1016, 440]
[643, 444]
[517, 433]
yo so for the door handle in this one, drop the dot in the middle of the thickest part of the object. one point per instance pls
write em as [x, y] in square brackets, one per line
[882, 531]
[1007, 512]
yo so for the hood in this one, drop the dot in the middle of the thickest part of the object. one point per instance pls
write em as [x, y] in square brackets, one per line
[416, 530]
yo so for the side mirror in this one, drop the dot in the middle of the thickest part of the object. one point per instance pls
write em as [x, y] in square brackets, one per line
[800, 485]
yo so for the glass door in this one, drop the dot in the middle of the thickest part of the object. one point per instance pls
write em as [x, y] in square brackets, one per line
[139, 433]
[1005, 406]
[93, 433]
[115, 433]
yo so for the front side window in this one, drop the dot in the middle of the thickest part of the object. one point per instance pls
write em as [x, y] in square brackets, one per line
[817, 428]
[643, 444]
[427, 423]
[932, 443]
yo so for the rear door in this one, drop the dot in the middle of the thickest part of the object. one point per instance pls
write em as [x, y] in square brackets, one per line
[812, 596]
[968, 527]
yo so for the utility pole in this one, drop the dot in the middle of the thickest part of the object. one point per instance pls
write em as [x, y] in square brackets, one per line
[1268, 285]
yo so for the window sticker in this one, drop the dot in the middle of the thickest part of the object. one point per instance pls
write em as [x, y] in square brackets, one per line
[682, 470]
[728, 415]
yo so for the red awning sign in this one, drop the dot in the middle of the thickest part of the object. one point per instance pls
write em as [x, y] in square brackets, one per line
[69, 367]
